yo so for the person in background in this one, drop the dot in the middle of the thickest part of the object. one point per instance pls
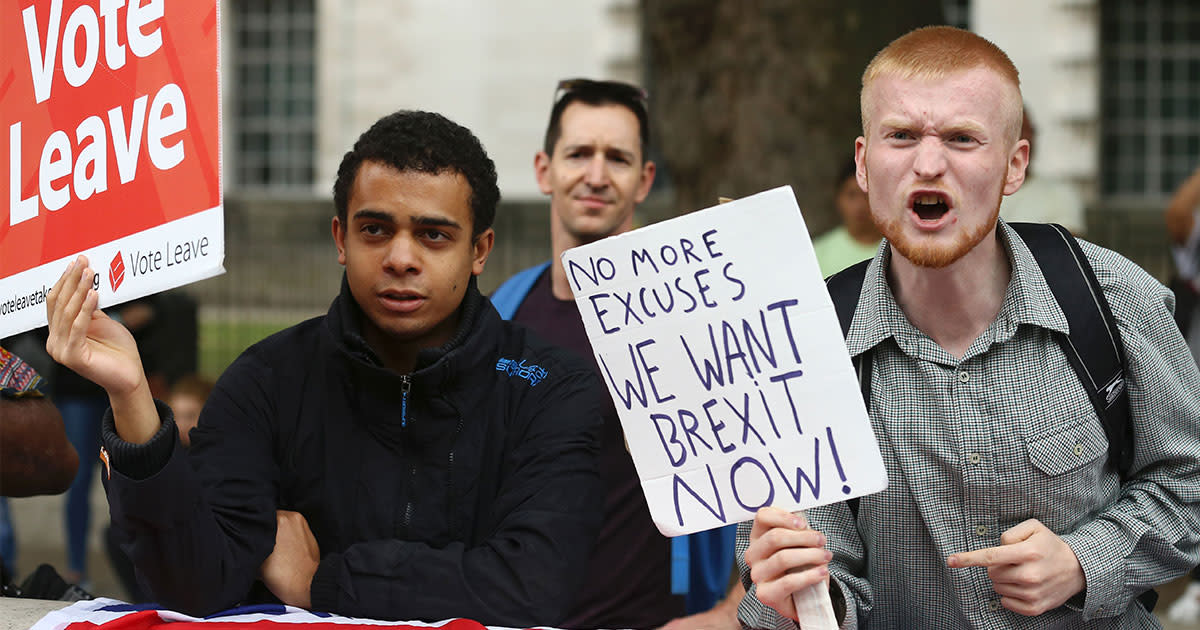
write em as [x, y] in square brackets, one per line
[595, 168]
[165, 329]
[1043, 199]
[857, 238]
[35, 455]
[1183, 232]
[81, 404]
[186, 399]
[409, 455]
[1003, 508]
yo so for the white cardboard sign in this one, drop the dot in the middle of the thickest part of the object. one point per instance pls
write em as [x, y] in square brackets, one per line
[721, 349]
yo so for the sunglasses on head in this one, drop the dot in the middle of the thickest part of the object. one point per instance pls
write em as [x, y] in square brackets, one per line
[612, 89]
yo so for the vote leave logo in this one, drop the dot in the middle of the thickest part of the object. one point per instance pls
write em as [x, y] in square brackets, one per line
[116, 272]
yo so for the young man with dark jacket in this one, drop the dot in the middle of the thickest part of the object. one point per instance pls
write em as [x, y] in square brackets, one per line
[407, 456]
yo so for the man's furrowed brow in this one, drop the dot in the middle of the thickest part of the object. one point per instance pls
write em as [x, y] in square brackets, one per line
[895, 122]
[969, 127]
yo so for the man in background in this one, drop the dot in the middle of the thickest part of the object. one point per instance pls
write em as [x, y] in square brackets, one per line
[594, 166]
[857, 238]
[1043, 199]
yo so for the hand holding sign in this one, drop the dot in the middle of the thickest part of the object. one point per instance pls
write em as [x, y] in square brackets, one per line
[787, 558]
[86, 340]
[720, 347]
[1033, 570]
[101, 350]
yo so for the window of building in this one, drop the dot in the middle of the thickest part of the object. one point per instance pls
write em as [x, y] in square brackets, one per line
[1150, 95]
[272, 93]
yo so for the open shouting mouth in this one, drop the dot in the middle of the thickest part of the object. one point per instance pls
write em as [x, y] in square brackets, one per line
[930, 206]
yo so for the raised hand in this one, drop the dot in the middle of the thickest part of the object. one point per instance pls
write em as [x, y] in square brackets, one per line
[785, 557]
[86, 340]
[101, 350]
[1033, 570]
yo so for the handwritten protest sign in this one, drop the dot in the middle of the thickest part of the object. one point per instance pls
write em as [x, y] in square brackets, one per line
[111, 115]
[721, 349]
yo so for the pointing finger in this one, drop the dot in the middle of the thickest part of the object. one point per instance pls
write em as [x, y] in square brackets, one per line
[989, 557]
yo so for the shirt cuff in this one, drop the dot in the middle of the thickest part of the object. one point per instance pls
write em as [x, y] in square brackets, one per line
[845, 613]
[1103, 564]
[323, 593]
[140, 461]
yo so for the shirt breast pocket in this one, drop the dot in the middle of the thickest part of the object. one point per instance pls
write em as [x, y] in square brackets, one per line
[1069, 446]
[1066, 478]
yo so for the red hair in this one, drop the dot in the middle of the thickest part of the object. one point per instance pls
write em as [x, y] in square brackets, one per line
[936, 52]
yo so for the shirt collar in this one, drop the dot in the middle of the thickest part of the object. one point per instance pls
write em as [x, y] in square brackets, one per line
[1027, 301]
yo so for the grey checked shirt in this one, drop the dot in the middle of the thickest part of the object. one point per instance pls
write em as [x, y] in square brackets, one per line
[975, 446]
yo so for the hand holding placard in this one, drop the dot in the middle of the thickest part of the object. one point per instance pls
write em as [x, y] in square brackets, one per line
[789, 564]
[814, 610]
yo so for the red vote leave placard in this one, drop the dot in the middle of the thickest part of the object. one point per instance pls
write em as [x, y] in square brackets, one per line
[111, 120]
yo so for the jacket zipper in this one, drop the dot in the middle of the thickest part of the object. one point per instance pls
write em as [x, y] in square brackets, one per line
[405, 388]
[450, 483]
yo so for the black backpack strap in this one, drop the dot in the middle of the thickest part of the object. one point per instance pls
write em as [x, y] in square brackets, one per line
[1093, 346]
[844, 288]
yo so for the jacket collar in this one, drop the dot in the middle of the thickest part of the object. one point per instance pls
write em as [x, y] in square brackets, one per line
[344, 323]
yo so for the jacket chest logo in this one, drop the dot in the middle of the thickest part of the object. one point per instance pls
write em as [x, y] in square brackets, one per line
[528, 371]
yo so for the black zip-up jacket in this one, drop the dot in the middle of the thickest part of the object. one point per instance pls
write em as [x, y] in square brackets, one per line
[466, 489]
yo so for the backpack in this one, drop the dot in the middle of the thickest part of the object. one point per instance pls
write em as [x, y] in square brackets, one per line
[508, 296]
[1093, 347]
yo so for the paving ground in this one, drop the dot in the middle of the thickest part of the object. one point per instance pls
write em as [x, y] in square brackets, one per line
[38, 521]
[40, 538]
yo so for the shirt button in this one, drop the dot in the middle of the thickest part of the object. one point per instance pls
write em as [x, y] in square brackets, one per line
[981, 530]
[1078, 450]
[974, 458]
[963, 377]
[993, 605]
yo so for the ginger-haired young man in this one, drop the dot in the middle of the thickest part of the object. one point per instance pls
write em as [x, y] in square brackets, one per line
[1003, 509]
